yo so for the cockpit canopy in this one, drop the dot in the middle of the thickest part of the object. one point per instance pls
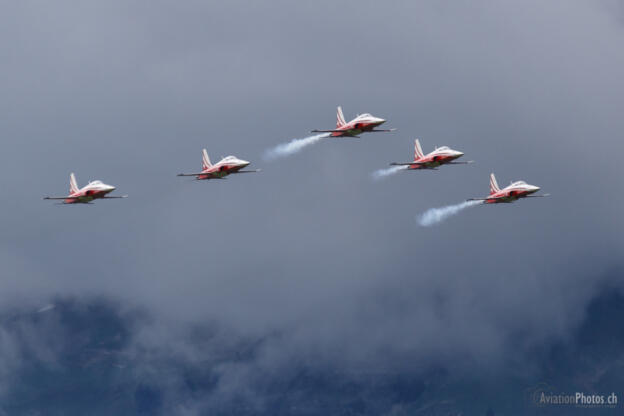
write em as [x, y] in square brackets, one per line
[519, 183]
[96, 182]
[444, 148]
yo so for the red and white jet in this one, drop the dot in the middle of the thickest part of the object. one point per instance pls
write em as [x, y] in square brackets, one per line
[440, 156]
[511, 193]
[363, 123]
[224, 167]
[93, 190]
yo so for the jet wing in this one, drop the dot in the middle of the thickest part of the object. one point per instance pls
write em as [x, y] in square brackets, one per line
[247, 171]
[412, 163]
[347, 130]
[505, 197]
[328, 131]
[213, 174]
[407, 163]
[425, 163]
[491, 198]
[81, 197]
[62, 197]
[210, 175]
[345, 133]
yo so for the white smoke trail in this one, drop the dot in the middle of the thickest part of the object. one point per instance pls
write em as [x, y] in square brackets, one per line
[293, 146]
[382, 173]
[436, 215]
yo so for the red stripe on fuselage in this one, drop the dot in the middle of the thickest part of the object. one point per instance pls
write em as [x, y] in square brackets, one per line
[86, 196]
[353, 129]
[218, 171]
[432, 161]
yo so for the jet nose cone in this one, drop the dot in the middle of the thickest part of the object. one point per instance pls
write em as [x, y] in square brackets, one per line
[379, 120]
[535, 188]
[458, 154]
[245, 163]
[110, 188]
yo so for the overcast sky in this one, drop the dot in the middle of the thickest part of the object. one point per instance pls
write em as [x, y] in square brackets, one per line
[311, 248]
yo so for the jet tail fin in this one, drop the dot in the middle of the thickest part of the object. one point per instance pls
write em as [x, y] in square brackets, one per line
[340, 120]
[493, 184]
[73, 185]
[418, 153]
[205, 160]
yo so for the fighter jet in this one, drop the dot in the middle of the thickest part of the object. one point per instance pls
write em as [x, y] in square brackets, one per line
[440, 156]
[93, 190]
[224, 167]
[363, 123]
[511, 193]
